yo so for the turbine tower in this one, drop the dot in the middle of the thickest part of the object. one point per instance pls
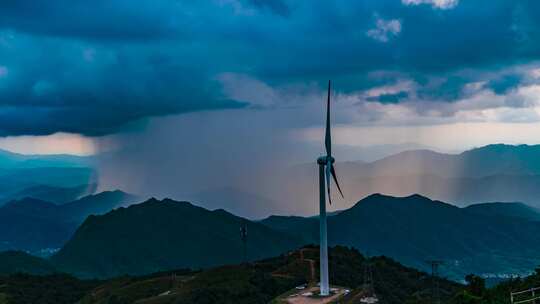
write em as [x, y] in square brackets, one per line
[326, 168]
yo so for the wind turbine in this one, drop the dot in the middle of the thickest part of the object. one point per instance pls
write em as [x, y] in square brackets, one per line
[326, 168]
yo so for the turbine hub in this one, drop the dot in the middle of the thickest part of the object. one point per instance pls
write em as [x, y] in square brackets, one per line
[324, 160]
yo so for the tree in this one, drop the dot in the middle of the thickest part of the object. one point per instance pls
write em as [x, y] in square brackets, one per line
[476, 285]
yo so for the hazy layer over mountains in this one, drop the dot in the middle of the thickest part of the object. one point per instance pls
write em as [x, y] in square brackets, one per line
[55, 178]
[495, 173]
[39, 226]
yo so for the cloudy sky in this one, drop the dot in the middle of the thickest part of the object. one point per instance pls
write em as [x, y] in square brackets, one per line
[184, 84]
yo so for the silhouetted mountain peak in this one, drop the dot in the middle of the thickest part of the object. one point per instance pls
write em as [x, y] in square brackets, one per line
[184, 204]
[380, 198]
[155, 206]
[152, 200]
[520, 153]
[274, 217]
[413, 205]
[171, 201]
[99, 203]
[502, 148]
[418, 197]
[222, 212]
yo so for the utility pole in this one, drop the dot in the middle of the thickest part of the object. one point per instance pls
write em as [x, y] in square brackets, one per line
[435, 293]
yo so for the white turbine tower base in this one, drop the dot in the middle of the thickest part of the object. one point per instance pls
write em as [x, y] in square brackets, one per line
[326, 172]
[323, 244]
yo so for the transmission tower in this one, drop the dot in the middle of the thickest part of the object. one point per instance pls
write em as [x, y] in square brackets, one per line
[368, 275]
[435, 291]
[243, 238]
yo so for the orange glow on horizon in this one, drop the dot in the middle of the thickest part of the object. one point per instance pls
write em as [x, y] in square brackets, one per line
[58, 143]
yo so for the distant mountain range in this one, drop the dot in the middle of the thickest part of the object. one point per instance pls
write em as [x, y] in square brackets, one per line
[494, 173]
[55, 195]
[160, 235]
[490, 160]
[96, 204]
[491, 173]
[480, 239]
[11, 160]
[35, 225]
[55, 178]
[15, 182]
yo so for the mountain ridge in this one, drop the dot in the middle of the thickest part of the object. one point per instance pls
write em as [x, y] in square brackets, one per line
[514, 209]
[415, 228]
[132, 240]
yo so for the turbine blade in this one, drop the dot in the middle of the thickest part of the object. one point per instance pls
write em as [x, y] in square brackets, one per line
[327, 137]
[333, 171]
[328, 166]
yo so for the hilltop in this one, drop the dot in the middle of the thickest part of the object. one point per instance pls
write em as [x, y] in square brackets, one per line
[159, 235]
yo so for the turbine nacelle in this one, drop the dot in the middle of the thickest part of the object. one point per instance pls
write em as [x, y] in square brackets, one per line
[325, 160]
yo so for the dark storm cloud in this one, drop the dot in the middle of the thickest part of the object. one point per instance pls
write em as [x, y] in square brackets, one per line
[277, 6]
[76, 87]
[389, 98]
[99, 19]
[504, 83]
[92, 67]
[446, 90]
